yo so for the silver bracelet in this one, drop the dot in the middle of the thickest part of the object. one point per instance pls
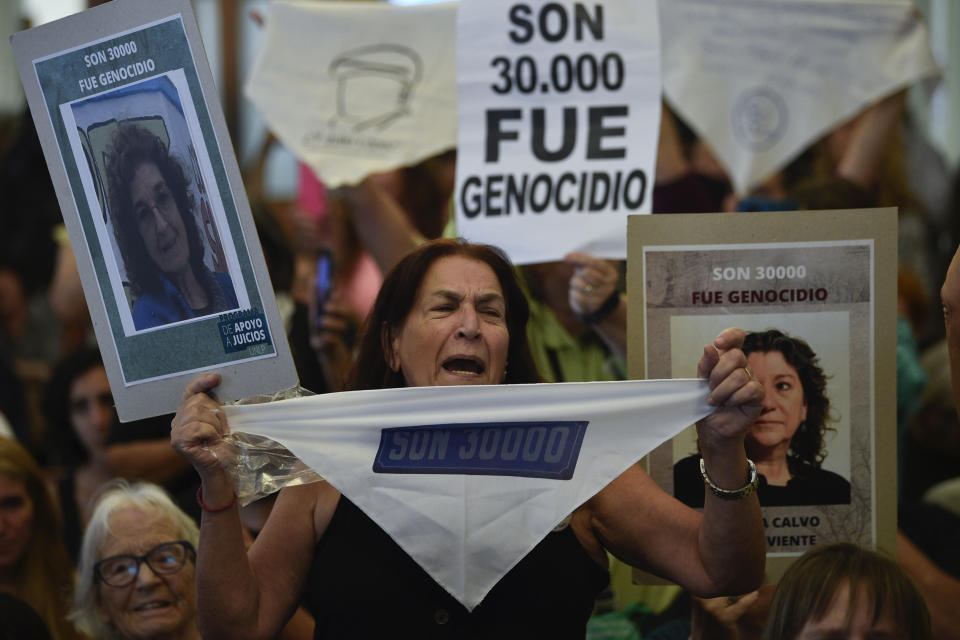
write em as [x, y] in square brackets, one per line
[753, 480]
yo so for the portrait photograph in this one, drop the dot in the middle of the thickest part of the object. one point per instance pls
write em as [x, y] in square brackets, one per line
[824, 441]
[153, 204]
[801, 441]
[157, 220]
[806, 310]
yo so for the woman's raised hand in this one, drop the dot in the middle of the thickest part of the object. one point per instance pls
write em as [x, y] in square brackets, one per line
[198, 429]
[594, 280]
[734, 391]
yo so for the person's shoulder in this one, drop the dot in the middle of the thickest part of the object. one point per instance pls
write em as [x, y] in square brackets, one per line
[832, 479]
[150, 310]
[834, 488]
[19, 620]
[818, 485]
[319, 499]
[226, 285]
[819, 475]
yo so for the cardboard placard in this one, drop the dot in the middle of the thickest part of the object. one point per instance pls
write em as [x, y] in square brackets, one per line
[559, 114]
[166, 248]
[827, 278]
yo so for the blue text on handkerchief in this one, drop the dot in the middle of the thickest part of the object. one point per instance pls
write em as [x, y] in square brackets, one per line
[529, 449]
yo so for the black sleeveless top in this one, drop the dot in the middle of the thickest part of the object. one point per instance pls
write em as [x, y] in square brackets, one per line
[363, 585]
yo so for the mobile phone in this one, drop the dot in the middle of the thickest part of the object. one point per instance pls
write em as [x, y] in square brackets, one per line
[322, 288]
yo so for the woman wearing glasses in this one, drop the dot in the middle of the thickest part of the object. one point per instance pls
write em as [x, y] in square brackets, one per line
[137, 568]
[157, 233]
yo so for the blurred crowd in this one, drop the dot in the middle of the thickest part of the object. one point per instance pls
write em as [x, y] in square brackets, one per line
[64, 452]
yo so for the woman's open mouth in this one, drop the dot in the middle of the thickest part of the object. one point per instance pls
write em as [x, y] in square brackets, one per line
[464, 366]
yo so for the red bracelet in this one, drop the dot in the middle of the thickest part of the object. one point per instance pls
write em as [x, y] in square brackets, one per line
[211, 510]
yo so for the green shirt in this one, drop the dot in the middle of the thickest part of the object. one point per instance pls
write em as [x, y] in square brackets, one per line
[560, 357]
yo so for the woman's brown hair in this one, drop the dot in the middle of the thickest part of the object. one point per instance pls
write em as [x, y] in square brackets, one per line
[44, 571]
[809, 586]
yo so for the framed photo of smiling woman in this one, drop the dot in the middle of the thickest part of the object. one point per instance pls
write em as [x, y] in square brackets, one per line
[819, 314]
[153, 202]
[159, 227]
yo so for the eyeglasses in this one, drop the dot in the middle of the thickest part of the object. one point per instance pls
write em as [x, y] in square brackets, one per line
[164, 559]
[163, 203]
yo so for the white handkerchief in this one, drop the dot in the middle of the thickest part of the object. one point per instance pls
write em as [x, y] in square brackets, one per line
[356, 87]
[469, 479]
[760, 81]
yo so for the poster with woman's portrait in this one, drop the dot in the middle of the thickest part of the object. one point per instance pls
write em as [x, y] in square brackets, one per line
[814, 292]
[159, 223]
[153, 203]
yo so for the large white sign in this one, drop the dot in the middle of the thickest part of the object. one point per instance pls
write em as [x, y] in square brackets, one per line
[357, 87]
[760, 81]
[559, 113]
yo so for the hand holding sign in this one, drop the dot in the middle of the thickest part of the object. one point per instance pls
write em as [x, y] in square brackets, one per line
[198, 431]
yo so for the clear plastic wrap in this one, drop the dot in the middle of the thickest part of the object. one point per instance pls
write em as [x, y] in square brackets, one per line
[262, 466]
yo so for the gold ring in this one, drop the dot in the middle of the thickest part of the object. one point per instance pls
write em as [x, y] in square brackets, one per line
[588, 289]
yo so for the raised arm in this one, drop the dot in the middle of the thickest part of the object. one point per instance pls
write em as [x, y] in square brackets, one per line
[672, 162]
[240, 596]
[382, 226]
[862, 158]
[718, 552]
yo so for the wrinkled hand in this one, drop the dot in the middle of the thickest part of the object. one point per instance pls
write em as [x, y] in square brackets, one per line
[199, 427]
[593, 281]
[733, 390]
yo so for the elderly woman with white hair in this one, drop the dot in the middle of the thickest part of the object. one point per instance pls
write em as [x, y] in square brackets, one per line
[137, 568]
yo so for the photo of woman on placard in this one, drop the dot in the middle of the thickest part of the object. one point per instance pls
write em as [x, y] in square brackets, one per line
[787, 441]
[156, 231]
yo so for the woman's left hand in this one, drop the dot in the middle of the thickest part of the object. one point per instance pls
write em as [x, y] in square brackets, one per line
[734, 391]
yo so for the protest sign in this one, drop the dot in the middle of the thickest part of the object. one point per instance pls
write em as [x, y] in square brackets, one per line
[153, 202]
[761, 81]
[815, 292]
[353, 87]
[559, 112]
